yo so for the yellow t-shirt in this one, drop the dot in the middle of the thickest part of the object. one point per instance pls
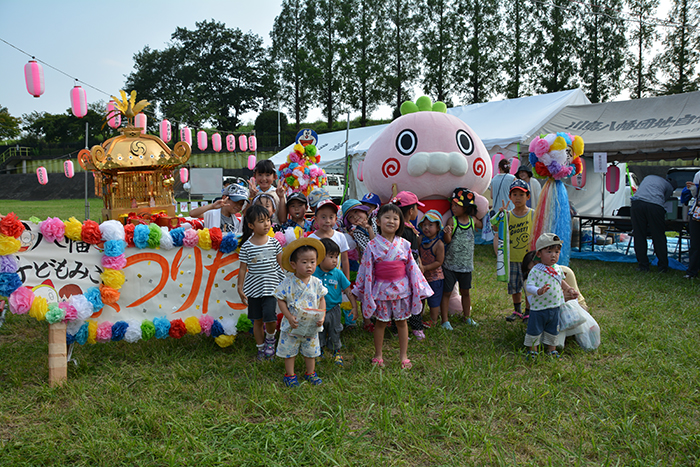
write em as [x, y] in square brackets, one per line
[519, 229]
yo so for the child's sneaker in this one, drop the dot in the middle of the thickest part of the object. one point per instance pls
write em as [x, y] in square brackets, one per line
[269, 347]
[261, 353]
[291, 381]
[337, 358]
[554, 354]
[420, 335]
[531, 355]
[447, 326]
[428, 323]
[514, 316]
[312, 378]
[471, 322]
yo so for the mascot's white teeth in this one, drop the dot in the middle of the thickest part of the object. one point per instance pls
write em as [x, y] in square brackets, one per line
[437, 163]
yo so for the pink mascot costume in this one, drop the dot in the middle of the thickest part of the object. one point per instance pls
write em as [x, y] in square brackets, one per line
[429, 153]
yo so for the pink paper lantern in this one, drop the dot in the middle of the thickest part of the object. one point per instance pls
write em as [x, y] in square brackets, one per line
[202, 140]
[514, 166]
[230, 143]
[252, 143]
[251, 162]
[495, 159]
[243, 143]
[184, 175]
[115, 117]
[141, 121]
[579, 181]
[34, 78]
[186, 135]
[68, 169]
[216, 142]
[42, 175]
[612, 179]
[78, 101]
[166, 131]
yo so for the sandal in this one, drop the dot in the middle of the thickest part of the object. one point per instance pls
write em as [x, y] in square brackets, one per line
[406, 364]
[378, 362]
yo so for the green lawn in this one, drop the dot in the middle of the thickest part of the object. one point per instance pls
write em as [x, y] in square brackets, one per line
[61, 208]
[470, 399]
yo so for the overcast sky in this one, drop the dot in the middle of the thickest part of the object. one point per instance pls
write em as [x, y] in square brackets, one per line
[95, 41]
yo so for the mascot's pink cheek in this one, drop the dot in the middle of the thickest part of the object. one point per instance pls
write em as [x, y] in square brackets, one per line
[390, 167]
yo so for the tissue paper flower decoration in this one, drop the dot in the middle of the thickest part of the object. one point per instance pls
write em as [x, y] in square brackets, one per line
[11, 226]
[21, 300]
[177, 328]
[148, 330]
[114, 247]
[81, 337]
[112, 278]
[216, 329]
[129, 234]
[8, 245]
[229, 326]
[556, 155]
[166, 241]
[82, 306]
[93, 296]
[191, 238]
[114, 262]
[118, 330]
[39, 309]
[244, 324]
[52, 229]
[91, 232]
[178, 235]
[162, 327]
[104, 332]
[92, 332]
[192, 325]
[109, 295]
[141, 233]
[9, 282]
[112, 230]
[73, 229]
[216, 236]
[154, 235]
[204, 239]
[8, 263]
[229, 243]
[205, 323]
[300, 173]
[224, 341]
[54, 314]
[133, 332]
[70, 312]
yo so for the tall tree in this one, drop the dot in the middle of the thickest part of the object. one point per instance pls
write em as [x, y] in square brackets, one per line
[603, 45]
[678, 61]
[516, 44]
[478, 40]
[9, 125]
[401, 47]
[326, 52]
[556, 46]
[362, 58]
[291, 53]
[641, 77]
[438, 20]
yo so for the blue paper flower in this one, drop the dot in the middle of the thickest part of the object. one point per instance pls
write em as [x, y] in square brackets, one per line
[118, 330]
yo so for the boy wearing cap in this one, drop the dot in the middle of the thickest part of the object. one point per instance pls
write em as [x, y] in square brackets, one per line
[372, 201]
[520, 220]
[296, 210]
[222, 212]
[326, 218]
[297, 292]
[545, 287]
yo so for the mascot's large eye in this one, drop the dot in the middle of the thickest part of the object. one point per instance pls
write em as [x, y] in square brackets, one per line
[465, 143]
[406, 142]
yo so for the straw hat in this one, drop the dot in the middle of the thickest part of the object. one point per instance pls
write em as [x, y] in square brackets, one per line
[289, 249]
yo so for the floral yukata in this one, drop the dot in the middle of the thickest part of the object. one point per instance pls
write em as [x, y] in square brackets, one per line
[389, 282]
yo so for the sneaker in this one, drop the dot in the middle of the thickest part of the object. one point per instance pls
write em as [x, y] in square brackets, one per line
[261, 353]
[313, 378]
[554, 354]
[690, 276]
[291, 381]
[447, 326]
[269, 349]
[515, 315]
[531, 355]
[428, 323]
[471, 322]
[338, 359]
[420, 335]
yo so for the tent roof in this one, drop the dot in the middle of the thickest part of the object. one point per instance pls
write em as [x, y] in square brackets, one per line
[497, 123]
[639, 129]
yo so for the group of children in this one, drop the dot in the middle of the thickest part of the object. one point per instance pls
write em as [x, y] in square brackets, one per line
[400, 267]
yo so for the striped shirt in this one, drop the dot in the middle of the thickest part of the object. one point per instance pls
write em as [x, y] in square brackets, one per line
[264, 273]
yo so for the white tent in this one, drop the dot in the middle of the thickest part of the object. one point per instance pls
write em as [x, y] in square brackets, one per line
[501, 125]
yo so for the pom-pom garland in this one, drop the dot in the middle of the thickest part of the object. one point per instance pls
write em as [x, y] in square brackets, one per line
[301, 173]
[91, 232]
[52, 229]
[556, 155]
[11, 226]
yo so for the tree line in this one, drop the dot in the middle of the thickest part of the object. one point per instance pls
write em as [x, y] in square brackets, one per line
[354, 55]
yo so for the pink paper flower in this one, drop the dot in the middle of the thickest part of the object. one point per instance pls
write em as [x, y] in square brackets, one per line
[52, 229]
[191, 238]
[21, 300]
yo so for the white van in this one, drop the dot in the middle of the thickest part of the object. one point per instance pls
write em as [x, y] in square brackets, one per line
[335, 187]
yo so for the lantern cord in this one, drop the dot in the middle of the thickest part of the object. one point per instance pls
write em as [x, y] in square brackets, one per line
[54, 68]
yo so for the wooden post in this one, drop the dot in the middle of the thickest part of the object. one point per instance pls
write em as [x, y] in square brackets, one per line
[58, 354]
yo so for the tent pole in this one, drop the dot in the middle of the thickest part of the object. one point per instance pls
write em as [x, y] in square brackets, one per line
[347, 164]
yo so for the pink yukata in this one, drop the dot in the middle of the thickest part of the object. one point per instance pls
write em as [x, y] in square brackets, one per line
[389, 282]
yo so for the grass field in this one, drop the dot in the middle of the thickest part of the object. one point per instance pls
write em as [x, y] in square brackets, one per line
[470, 399]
